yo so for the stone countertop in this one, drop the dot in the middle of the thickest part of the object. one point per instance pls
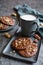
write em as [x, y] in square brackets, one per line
[6, 8]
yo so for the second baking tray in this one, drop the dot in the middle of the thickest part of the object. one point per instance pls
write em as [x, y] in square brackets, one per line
[8, 51]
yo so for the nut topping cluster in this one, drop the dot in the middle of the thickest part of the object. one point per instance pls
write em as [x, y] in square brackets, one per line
[25, 46]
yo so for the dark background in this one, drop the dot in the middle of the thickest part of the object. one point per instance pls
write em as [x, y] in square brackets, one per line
[6, 8]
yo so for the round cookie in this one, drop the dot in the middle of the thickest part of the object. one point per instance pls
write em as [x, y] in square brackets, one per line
[21, 43]
[2, 26]
[7, 20]
[30, 50]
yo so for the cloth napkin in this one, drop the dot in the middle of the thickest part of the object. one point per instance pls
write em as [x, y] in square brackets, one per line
[26, 9]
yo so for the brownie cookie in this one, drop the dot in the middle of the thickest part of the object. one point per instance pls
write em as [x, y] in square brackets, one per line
[2, 26]
[7, 20]
[21, 43]
[30, 50]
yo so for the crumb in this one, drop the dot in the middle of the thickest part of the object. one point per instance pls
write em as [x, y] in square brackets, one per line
[13, 51]
[10, 51]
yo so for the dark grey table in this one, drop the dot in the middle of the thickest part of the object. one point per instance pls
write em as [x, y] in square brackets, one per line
[6, 8]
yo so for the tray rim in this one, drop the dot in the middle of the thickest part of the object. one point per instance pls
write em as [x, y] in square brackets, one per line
[6, 54]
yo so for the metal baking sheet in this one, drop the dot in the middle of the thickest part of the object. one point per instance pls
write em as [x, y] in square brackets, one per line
[8, 51]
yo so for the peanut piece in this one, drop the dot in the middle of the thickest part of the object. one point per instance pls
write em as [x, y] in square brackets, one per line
[14, 14]
[35, 41]
[7, 35]
[37, 36]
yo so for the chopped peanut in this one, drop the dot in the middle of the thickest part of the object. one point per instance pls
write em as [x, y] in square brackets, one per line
[14, 14]
[7, 35]
[37, 36]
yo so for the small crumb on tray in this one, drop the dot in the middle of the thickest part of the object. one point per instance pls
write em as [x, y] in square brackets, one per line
[13, 51]
[10, 51]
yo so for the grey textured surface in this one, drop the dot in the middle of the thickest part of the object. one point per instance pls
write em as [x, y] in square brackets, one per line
[6, 7]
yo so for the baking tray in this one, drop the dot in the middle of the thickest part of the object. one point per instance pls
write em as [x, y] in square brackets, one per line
[8, 51]
[11, 27]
